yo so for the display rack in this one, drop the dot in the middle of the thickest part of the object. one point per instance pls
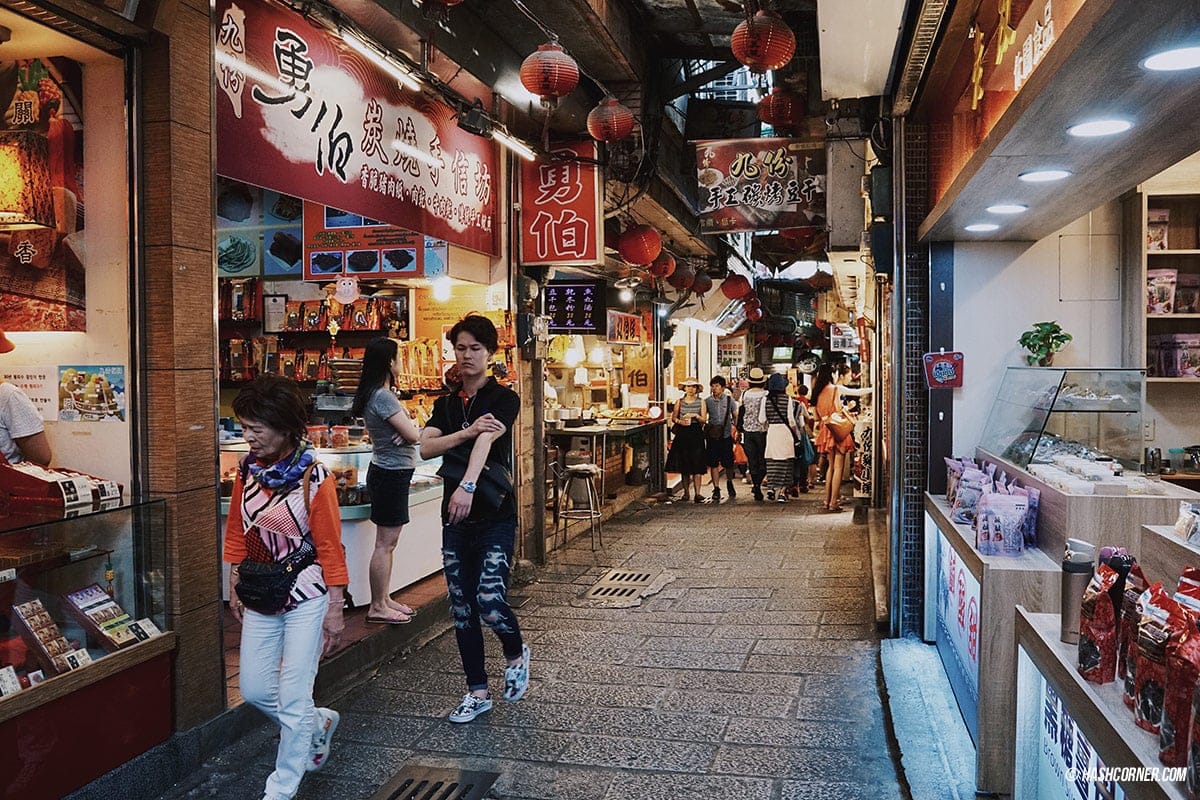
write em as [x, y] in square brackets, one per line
[1163, 554]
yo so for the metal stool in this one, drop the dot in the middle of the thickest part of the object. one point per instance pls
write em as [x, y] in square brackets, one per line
[591, 512]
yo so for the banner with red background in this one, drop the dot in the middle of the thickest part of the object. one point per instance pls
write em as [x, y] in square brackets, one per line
[562, 209]
[300, 112]
[756, 184]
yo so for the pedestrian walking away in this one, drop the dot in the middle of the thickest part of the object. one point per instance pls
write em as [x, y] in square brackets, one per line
[782, 433]
[284, 512]
[721, 410]
[393, 457]
[471, 428]
[752, 429]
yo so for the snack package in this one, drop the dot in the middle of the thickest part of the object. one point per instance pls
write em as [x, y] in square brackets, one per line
[1030, 530]
[970, 488]
[1135, 588]
[1000, 518]
[954, 471]
[1098, 628]
[1160, 291]
[1183, 671]
[1151, 669]
[1193, 756]
[1187, 524]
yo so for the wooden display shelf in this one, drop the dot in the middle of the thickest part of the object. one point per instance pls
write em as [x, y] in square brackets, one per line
[1172, 316]
[1031, 579]
[1164, 554]
[1097, 709]
[1172, 380]
[1173, 252]
[51, 689]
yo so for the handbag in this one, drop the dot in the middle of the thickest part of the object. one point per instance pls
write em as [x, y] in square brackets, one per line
[264, 586]
[716, 430]
[804, 450]
[491, 489]
[839, 425]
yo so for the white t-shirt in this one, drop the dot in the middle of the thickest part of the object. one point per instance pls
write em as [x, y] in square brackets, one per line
[18, 419]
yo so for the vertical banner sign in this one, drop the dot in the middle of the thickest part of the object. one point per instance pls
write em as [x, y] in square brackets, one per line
[754, 184]
[958, 629]
[562, 208]
[301, 113]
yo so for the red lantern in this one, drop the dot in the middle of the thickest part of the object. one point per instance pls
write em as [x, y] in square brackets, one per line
[640, 245]
[682, 277]
[754, 314]
[763, 43]
[782, 110]
[703, 283]
[662, 266]
[549, 73]
[751, 302]
[736, 287]
[610, 121]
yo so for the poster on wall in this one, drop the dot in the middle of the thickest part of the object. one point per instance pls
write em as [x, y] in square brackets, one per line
[300, 111]
[42, 263]
[40, 385]
[91, 394]
[562, 208]
[755, 184]
[258, 231]
[338, 242]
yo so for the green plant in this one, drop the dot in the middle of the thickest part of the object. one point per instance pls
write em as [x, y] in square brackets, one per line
[1042, 341]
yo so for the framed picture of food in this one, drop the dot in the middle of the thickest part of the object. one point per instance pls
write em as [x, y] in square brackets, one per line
[324, 263]
[238, 254]
[360, 261]
[284, 252]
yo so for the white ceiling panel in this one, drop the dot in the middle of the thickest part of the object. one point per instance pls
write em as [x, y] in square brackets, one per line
[858, 40]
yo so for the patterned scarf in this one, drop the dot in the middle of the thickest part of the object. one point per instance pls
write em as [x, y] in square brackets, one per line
[286, 473]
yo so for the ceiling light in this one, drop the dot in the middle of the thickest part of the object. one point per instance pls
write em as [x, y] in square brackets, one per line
[1044, 175]
[1174, 60]
[1007, 208]
[626, 296]
[982, 227]
[367, 51]
[1100, 127]
[514, 144]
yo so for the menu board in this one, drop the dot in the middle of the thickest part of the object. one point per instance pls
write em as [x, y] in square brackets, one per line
[339, 242]
[576, 307]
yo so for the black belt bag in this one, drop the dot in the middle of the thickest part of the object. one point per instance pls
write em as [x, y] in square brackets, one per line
[266, 586]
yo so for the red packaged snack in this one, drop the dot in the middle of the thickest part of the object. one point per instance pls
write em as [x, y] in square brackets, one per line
[1183, 670]
[1098, 628]
[1151, 670]
[1193, 754]
[1135, 587]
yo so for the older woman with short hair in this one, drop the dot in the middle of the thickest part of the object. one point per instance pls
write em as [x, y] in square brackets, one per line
[284, 510]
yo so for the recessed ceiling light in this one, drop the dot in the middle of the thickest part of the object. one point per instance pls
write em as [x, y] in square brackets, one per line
[1044, 175]
[1007, 208]
[1174, 60]
[1100, 127]
[982, 227]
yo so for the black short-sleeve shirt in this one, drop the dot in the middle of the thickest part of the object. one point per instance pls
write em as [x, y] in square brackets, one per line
[453, 412]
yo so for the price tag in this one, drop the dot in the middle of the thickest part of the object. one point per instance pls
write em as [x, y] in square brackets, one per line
[7, 575]
[143, 629]
[9, 684]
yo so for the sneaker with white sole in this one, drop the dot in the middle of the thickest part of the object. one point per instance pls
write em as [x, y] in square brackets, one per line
[470, 708]
[323, 739]
[516, 679]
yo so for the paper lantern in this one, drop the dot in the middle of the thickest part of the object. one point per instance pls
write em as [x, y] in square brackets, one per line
[682, 277]
[751, 302]
[736, 287]
[764, 42]
[549, 73]
[610, 121]
[782, 109]
[754, 314]
[702, 284]
[640, 245]
[662, 266]
[25, 197]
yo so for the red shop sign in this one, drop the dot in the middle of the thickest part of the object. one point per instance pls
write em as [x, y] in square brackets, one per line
[300, 112]
[562, 209]
[944, 370]
[752, 184]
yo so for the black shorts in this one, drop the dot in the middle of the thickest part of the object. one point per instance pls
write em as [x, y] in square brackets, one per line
[389, 495]
[719, 452]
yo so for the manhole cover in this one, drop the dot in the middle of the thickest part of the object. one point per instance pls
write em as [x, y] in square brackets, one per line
[620, 584]
[418, 782]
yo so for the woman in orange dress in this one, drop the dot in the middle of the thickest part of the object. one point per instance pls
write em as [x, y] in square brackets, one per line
[828, 391]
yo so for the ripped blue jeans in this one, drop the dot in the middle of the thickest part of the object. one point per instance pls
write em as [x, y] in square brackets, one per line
[477, 556]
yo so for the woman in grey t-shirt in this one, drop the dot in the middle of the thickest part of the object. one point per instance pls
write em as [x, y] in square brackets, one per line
[394, 435]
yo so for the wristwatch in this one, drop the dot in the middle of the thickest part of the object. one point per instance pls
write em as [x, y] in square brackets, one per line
[467, 486]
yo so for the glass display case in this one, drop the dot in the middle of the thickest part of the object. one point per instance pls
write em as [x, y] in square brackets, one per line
[1041, 412]
[77, 592]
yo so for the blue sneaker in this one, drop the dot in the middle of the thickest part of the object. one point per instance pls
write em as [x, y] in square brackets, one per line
[470, 708]
[516, 679]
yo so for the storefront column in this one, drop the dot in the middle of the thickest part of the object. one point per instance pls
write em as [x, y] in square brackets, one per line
[180, 335]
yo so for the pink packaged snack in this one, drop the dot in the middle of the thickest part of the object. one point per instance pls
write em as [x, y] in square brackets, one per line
[970, 488]
[1000, 518]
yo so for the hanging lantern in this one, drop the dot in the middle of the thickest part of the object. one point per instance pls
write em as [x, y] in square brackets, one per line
[782, 109]
[751, 302]
[640, 245]
[736, 287]
[662, 266]
[610, 121]
[549, 73]
[754, 314]
[764, 42]
[682, 277]
[702, 284]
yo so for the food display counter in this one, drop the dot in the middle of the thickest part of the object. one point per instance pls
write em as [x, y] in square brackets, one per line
[419, 553]
[606, 441]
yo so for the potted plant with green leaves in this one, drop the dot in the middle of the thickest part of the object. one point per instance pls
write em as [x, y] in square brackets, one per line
[1042, 341]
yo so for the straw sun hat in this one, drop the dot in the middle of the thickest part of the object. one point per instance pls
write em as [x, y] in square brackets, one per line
[690, 381]
[757, 377]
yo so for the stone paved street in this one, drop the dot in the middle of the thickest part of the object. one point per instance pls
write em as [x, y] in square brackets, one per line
[753, 674]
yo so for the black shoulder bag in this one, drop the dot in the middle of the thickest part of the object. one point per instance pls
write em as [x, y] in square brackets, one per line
[265, 586]
[494, 485]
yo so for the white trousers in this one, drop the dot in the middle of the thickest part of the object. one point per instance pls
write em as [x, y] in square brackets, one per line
[278, 666]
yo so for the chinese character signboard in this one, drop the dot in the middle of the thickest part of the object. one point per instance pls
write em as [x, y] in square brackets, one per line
[40, 385]
[624, 328]
[302, 113]
[1067, 766]
[562, 208]
[337, 242]
[731, 352]
[753, 184]
[576, 307]
[841, 337]
[958, 630]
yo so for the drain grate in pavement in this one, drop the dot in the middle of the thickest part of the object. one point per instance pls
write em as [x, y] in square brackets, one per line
[417, 782]
[620, 584]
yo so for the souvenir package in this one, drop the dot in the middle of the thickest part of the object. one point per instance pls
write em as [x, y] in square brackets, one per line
[1135, 588]
[1183, 670]
[1187, 524]
[970, 488]
[1000, 520]
[954, 471]
[1187, 293]
[1158, 221]
[1098, 628]
[101, 617]
[1160, 291]
[1154, 631]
